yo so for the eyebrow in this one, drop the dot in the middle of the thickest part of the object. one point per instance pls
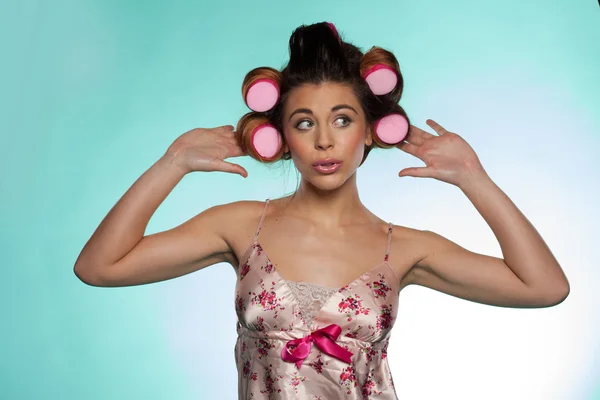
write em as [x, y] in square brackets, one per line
[308, 111]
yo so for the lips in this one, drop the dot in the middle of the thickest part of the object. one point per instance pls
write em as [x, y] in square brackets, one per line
[327, 168]
[327, 162]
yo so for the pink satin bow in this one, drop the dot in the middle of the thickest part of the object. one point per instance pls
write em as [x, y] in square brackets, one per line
[296, 350]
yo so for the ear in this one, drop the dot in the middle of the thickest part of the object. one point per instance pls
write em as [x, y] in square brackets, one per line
[286, 148]
[369, 138]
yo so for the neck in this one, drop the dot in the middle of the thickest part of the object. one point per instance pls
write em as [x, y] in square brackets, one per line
[328, 209]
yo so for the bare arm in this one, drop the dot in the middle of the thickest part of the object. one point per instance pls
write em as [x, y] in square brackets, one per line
[118, 253]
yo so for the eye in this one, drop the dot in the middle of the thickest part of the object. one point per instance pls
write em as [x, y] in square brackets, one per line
[298, 124]
[343, 117]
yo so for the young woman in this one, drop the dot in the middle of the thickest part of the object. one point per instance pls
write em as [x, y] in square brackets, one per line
[317, 293]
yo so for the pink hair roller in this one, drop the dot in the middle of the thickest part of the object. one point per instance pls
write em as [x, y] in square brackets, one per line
[381, 79]
[391, 129]
[262, 95]
[266, 140]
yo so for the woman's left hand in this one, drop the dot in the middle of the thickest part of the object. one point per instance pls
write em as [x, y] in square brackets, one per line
[448, 157]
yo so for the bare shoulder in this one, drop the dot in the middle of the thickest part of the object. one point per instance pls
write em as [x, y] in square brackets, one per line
[234, 222]
[408, 247]
[425, 244]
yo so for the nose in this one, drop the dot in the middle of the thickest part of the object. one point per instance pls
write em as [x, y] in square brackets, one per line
[323, 140]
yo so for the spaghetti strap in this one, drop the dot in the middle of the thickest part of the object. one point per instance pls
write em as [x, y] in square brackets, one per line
[262, 217]
[387, 250]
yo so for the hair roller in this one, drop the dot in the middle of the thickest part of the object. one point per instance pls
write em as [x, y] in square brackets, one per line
[259, 138]
[381, 70]
[260, 88]
[392, 128]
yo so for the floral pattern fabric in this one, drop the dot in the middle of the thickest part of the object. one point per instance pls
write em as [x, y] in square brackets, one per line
[269, 316]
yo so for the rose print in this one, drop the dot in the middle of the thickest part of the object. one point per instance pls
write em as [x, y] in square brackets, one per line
[262, 346]
[384, 349]
[367, 388]
[285, 329]
[296, 380]
[258, 248]
[352, 305]
[246, 372]
[268, 268]
[379, 288]
[317, 364]
[269, 380]
[384, 320]
[267, 299]
[259, 324]
[239, 304]
[370, 352]
[244, 270]
[353, 333]
[344, 288]
[348, 378]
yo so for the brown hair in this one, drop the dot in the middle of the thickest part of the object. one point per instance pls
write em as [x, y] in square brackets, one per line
[318, 55]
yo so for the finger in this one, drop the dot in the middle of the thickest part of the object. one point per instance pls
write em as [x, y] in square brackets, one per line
[226, 133]
[232, 136]
[235, 151]
[415, 138]
[233, 168]
[224, 128]
[437, 127]
[418, 136]
[418, 172]
[231, 139]
[408, 148]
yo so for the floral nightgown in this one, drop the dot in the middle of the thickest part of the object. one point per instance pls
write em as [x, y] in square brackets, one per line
[303, 341]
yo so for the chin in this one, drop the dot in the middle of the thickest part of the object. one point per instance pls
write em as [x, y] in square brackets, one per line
[327, 181]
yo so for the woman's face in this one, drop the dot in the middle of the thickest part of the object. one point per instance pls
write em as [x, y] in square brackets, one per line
[325, 121]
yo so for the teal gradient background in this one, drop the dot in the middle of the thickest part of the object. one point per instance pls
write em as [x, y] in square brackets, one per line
[93, 93]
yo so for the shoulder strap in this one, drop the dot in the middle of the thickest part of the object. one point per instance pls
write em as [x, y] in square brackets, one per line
[262, 217]
[387, 250]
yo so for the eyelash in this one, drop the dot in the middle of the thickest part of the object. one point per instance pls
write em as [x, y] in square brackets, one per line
[340, 117]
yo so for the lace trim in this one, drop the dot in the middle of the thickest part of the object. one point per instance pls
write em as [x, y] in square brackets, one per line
[310, 297]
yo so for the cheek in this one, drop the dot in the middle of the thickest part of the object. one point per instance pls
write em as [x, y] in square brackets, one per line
[295, 146]
[358, 140]
[356, 144]
[299, 150]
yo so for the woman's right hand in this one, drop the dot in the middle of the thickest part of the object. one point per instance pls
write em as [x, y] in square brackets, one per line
[205, 149]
